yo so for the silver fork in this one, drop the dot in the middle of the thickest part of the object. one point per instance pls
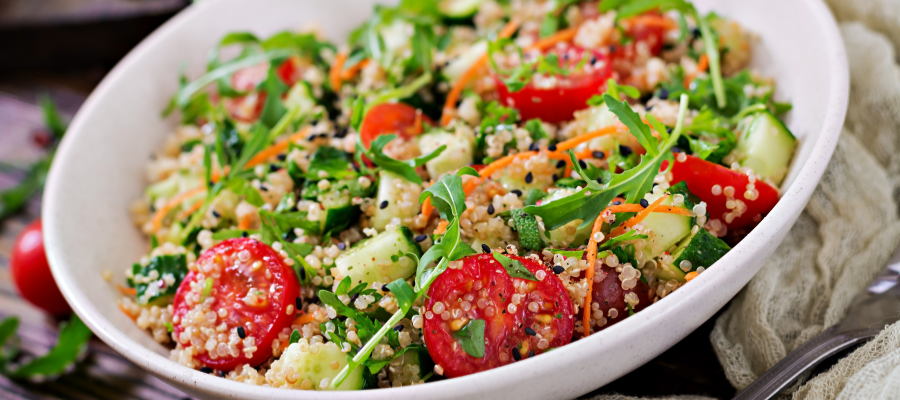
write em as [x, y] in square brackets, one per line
[869, 313]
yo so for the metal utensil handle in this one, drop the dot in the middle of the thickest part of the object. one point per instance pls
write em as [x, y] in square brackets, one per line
[814, 351]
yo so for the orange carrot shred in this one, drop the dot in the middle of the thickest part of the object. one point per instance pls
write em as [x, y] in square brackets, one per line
[561, 36]
[460, 84]
[575, 141]
[637, 218]
[121, 307]
[171, 204]
[691, 275]
[303, 319]
[126, 291]
[702, 64]
[276, 148]
[589, 274]
[441, 228]
[334, 74]
[349, 73]
[652, 20]
[427, 207]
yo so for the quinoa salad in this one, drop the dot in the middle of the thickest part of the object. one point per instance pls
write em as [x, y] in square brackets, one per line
[460, 185]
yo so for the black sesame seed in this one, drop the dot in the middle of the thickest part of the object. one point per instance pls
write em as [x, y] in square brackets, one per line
[676, 149]
[206, 370]
[617, 202]
[342, 246]
[398, 328]
[383, 205]
[314, 122]
[302, 273]
[529, 177]
[263, 188]
[533, 147]
[244, 234]
[599, 180]
[625, 150]
[420, 238]
[558, 269]
[298, 303]
[384, 288]
[593, 59]
[354, 297]
[517, 192]
[241, 332]
[490, 209]
[221, 374]
[273, 168]
[560, 164]
[654, 186]
[612, 49]
[485, 248]
[598, 154]
[582, 164]
[551, 147]
[663, 94]
[650, 107]
[644, 203]
[323, 136]
[282, 157]
[341, 133]
[285, 235]
[215, 214]
[516, 355]
[310, 138]
[531, 354]
[555, 177]
[530, 332]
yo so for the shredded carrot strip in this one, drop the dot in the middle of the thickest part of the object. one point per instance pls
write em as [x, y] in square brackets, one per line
[126, 291]
[652, 20]
[495, 166]
[575, 141]
[416, 128]
[171, 204]
[691, 275]
[637, 218]
[701, 67]
[564, 35]
[121, 307]
[334, 74]
[349, 73]
[589, 274]
[460, 84]
[276, 148]
[194, 208]
[244, 223]
[427, 207]
[303, 319]
[441, 228]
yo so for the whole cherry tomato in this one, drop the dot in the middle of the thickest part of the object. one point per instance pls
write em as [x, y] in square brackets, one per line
[31, 272]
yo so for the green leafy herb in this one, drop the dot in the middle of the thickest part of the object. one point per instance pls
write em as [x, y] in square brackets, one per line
[330, 162]
[471, 338]
[52, 118]
[569, 253]
[630, 235]
[73, 339]
[586, 204]
[164, 266]
[514, 267]
[406, 168]
[330, 299]
[295, 337]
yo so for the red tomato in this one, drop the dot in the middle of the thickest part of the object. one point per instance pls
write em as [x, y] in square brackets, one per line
[570, 93]
[387, 118]
[290, 71]
[482, 281]
[31, 272]
[607, 292]
[701, 176]
[247, 108]
[254, 286]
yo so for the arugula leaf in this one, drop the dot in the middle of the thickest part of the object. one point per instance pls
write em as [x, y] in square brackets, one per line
[405, 168]
[150, 292]
[635, 125]
[471, 338]
[588, 203]
[423, 45]
[273, 108]
[630, 235]
[330, 299]
[513, 267]
[403, 292]
[73, 339]
[295, 337]
[52, 118]
[187, 92]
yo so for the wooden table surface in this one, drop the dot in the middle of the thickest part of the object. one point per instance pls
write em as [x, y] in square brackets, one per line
[68, 75]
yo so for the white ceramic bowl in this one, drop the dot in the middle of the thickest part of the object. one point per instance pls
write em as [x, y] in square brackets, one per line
[99, 171]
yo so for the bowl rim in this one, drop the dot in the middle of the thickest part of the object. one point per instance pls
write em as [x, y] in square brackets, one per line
[796, 196]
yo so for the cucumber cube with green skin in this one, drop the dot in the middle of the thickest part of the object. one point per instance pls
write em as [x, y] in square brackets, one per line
[460, 150]
[390, 186]
[317, 366]
[380, 258]
[665, 229]
[701, 249]
[766, 146]
[339, 212]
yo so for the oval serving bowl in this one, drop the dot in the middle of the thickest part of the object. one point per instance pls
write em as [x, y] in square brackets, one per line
[99, 171]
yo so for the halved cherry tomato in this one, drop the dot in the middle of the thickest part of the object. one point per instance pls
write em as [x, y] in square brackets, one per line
[247, 108]
[387, 118]
[701, 175]
[482, 289]
[569, 94]
[31, 272]
[256, 290]
[290, 71]
[607, 292]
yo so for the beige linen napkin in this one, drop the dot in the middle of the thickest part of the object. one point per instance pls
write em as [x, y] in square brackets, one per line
[843, 238]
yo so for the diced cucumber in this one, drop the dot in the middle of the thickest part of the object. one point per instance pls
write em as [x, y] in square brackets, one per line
[319, 365]
[766, 147]
[388, 193]
[459, 8]
[339, 212]
[665, 229]
[702, 249]
[460, 150]
[461, 64]
[178, 182]
[567, 235]
[511, 183]
[381, 258]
